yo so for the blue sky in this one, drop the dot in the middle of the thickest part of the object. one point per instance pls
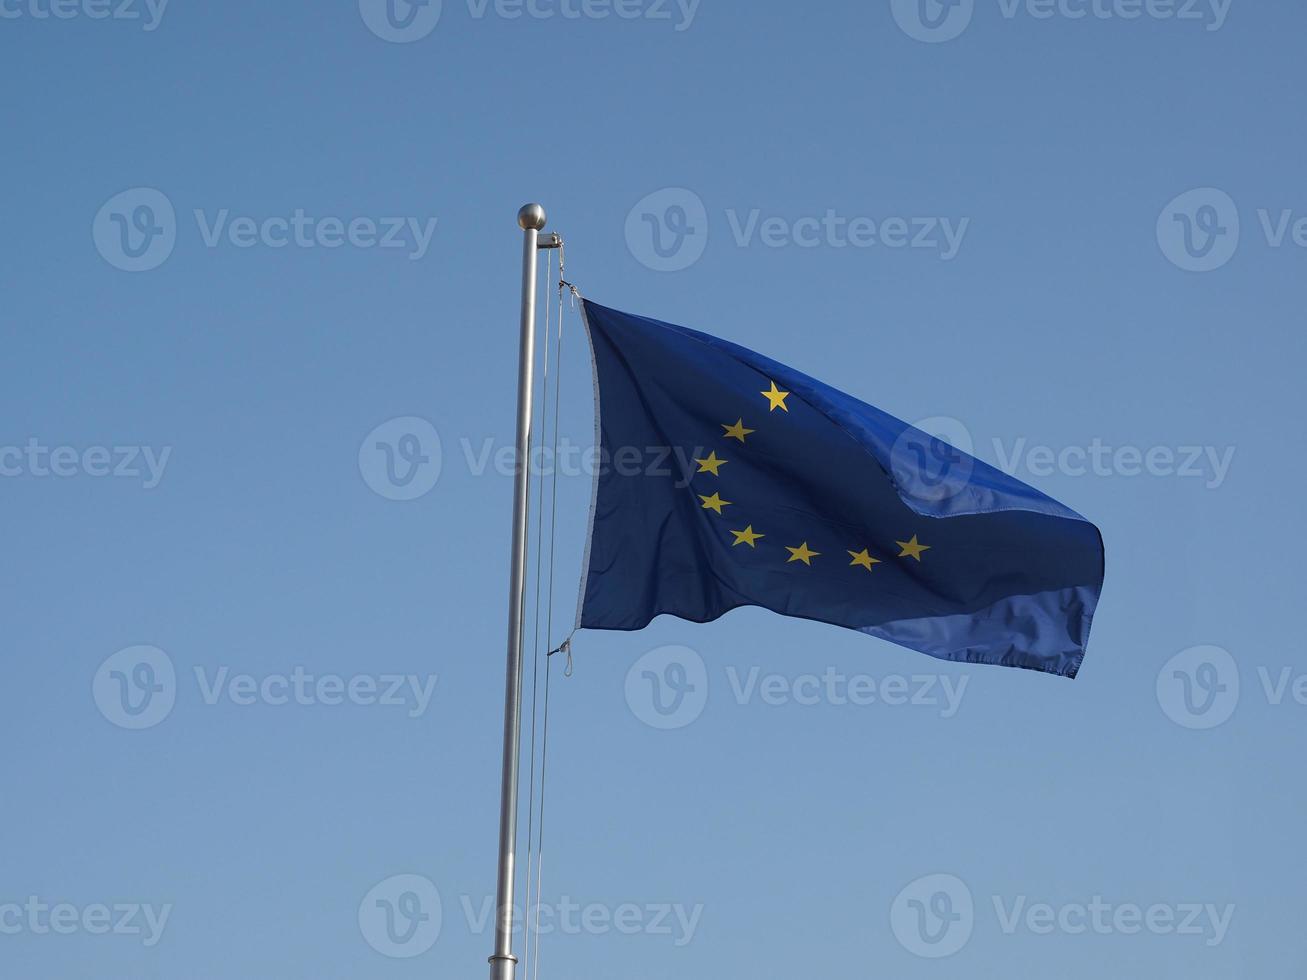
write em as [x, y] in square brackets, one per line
[245, 243]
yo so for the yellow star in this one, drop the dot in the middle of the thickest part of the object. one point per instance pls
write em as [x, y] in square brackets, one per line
[747, 536]
[711, 464]
[801, 553]
[776, 397]
[912, 549]
[737, 431]
[714, 502]
[864, 559]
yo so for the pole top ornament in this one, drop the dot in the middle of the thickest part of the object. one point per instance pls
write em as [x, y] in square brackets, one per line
[531, 217]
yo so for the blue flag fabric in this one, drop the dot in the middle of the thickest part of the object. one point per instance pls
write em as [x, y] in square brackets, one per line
[730, 480]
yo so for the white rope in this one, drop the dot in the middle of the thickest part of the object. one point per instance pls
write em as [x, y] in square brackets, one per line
[549, 627]
[544, 575]
[535, 646]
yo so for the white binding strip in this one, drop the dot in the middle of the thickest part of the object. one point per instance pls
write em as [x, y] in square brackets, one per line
[594, 485]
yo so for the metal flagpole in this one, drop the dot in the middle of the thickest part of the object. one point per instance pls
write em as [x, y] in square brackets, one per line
[503, 963]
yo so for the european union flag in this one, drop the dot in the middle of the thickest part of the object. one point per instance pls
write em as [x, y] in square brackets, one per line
[732, 480]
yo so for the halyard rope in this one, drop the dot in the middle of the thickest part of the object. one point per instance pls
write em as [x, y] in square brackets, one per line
[544, 573]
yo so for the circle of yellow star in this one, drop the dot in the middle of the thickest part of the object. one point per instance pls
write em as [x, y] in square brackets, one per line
[715, 502]
[863, 558]
[912, 549]
[776, 397]
[801, 553]
[711, 464]
[747, 536]
[737, 431]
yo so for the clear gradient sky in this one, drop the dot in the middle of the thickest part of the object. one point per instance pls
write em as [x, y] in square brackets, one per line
[980, 213]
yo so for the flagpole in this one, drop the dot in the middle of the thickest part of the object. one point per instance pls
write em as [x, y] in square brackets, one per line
[503, 963]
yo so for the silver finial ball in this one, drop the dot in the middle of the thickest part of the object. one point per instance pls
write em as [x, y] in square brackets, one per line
[531, 217]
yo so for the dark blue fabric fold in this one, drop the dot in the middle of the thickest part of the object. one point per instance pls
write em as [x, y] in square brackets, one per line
[728, 479]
